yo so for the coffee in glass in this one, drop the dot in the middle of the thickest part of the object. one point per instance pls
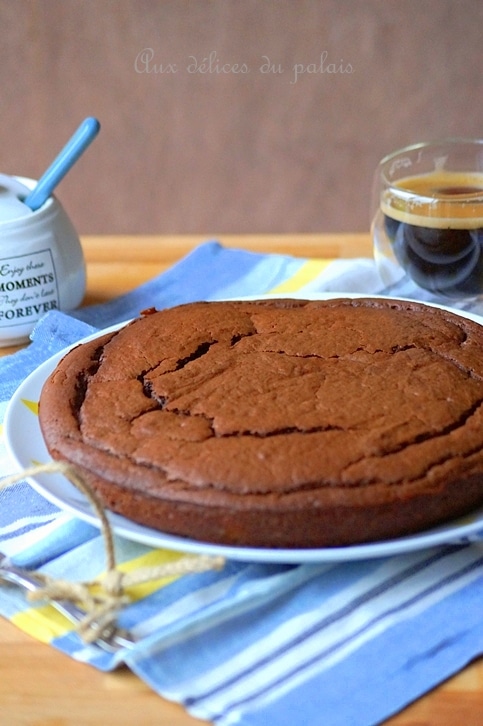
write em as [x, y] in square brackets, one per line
[428, 220]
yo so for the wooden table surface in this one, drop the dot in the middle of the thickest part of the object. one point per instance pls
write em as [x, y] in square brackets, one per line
[41, 687]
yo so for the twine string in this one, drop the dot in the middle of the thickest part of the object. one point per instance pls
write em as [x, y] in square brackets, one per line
[103, 597]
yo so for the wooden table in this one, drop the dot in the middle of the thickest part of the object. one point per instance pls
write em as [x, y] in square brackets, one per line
[41, 687]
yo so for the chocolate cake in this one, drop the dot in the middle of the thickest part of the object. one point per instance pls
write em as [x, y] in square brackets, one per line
[277, 423]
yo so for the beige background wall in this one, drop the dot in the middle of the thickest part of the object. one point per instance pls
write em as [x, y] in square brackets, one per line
[248, 145]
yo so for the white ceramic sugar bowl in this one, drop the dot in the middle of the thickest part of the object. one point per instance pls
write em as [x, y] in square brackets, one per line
[42, 266]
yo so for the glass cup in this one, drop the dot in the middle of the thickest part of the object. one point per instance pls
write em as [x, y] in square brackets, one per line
[427, 217]
[42, 265]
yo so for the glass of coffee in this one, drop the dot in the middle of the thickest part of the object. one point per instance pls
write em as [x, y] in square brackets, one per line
[428, 217]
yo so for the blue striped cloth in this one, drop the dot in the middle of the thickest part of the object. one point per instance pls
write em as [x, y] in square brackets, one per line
[338, 643]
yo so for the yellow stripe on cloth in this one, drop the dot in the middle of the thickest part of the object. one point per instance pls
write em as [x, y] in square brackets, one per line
[153, 558]
[308, 272]
[43, 623]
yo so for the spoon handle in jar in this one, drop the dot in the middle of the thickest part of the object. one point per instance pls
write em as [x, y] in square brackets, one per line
[76, 146]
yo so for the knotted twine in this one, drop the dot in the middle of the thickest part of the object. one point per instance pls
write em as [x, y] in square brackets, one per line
[103, 597]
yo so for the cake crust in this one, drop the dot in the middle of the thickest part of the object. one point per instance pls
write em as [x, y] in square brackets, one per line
[277, 423]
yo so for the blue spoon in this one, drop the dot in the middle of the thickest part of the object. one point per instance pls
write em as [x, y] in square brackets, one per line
[74, 148]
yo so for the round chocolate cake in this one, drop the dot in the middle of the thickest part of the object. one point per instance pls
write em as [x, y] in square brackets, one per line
[277, 423]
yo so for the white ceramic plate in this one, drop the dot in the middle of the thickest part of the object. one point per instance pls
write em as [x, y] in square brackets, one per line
[26, 447]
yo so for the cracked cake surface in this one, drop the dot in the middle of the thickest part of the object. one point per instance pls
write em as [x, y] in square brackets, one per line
[277, 423]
